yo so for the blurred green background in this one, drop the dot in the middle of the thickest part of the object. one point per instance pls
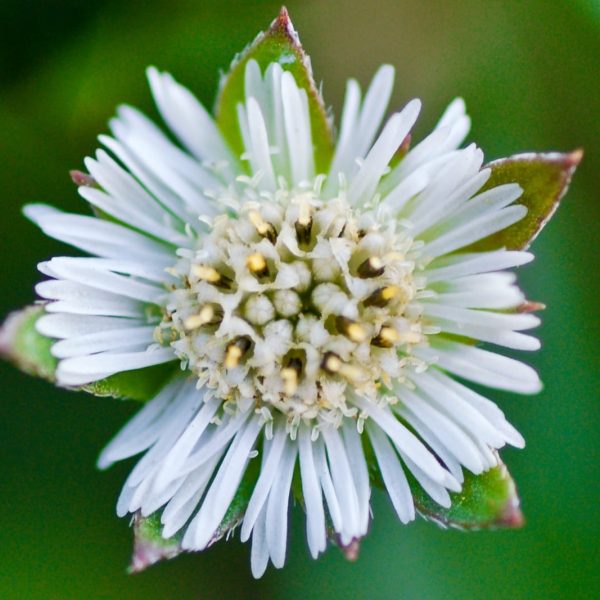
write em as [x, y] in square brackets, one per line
[529, 72]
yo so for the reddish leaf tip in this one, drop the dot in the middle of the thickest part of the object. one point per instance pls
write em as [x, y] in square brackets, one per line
[512, 518]
[282, 26]
[148, 551]
[530, 306]
[574, 158]
[351, 550]
[82, 179]
[284, 17]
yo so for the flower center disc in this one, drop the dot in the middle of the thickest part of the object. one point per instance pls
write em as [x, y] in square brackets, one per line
[293, 304]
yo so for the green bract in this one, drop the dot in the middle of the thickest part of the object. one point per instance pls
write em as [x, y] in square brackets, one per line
[487, 501]
[544, 179]
[30, 351]
[280, 44]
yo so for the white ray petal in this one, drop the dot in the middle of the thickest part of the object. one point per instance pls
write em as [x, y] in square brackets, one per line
[343, 483]
[277, 507]
[485, 407]
[81, 299]
[358, 467]
[455, 439]
[365, 181]
[498, 297]
[456, 407]
[177, 456]
[222, 489]
[137, 268]
[90, 275]
[473, 231]
[64, 326]
[454, 183]
[187, 498]
[85, 369]
[393, 476]
[487, 203]
[407, 443]
[258, 148]
[484, 318]
[176, 418]
[132, 215]
[119, 184]
[276, 123]
[98, 236]
[189, 120]
[103, 341]
[297, 129]
[433, 489]
[145, 426]
[311, 490]
[270, 469]
[259, 555]
[220, 437]
[329, 493]
[481, 366]
[459, 265]
[349, 120]
[178, 188]
[429, 437]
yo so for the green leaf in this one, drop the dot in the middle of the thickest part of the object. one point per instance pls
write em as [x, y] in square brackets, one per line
[237, 509]
[149, 546]
[278, 44]
[29, 350]
[487, 501]
[21, 344]
[139, 384]
[544, 179]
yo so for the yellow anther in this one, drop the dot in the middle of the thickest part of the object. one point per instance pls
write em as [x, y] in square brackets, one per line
[211, 275]
[332, 363]
[257, 264]
[234, 352]
[206, 273]
[372, 267]
[386, 337]
[389, 292]
[304, 217]
[232, 356]
[303, 225]
[351, 329]
[290, 380]
[382, 296]
[206, 315]
[264, 228]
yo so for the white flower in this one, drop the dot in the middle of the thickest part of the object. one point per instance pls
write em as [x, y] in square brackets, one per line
[312, 313]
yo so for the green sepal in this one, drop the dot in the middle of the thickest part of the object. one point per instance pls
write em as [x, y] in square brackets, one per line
[237, 509]
[280, 44]
[149, 546]
[486, 501]
[545, 179]
[29, 350]
[139, 384]
[24, 346]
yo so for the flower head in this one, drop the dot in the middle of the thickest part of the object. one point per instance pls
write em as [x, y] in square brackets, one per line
[318, 314]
